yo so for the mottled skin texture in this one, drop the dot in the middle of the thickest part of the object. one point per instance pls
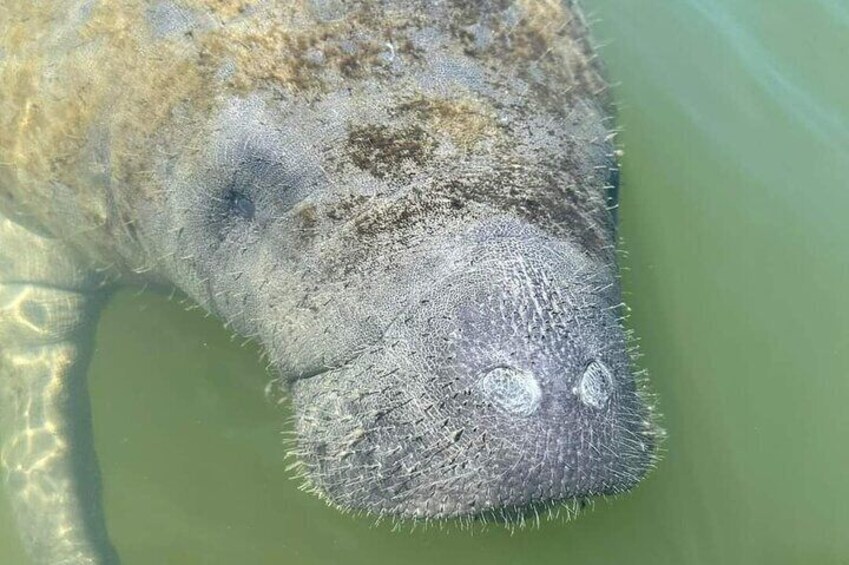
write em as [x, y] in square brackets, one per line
[407, 203]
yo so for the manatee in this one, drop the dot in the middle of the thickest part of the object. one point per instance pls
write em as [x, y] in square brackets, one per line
[409, 204]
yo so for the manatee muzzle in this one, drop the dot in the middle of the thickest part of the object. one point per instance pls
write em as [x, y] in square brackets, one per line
[507, 389]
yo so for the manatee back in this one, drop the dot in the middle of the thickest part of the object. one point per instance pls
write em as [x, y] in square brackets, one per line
[98, 99]
[84, 88]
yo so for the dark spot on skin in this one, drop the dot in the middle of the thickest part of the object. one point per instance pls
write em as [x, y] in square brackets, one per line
[240, 204]
[306, 221]
[350, 63]
[341, 209]
[383, 151]
[306, 217]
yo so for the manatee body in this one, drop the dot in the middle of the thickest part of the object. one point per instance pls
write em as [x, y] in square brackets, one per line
[408, 203]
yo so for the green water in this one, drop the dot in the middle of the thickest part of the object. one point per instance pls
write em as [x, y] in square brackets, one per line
[735, 119]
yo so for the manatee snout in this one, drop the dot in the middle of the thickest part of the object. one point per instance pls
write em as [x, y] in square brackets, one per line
[506, 387]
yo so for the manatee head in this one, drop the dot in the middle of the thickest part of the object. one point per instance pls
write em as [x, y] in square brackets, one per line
[408, 204]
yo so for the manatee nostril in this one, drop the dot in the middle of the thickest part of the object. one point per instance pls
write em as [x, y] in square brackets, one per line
[513, 390]
[595, 386]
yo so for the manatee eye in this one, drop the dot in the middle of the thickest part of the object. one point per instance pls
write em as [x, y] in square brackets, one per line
[240, 204]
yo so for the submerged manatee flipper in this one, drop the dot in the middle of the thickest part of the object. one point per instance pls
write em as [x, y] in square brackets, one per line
[47, 311]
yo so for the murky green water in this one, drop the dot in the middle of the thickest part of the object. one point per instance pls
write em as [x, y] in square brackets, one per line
[735, 118]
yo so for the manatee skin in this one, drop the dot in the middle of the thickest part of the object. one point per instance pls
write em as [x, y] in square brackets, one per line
[408, 203]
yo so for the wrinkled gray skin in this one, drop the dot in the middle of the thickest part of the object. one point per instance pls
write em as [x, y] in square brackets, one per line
[436, 285]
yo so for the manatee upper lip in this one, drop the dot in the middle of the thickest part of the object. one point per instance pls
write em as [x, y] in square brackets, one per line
[319, 371]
